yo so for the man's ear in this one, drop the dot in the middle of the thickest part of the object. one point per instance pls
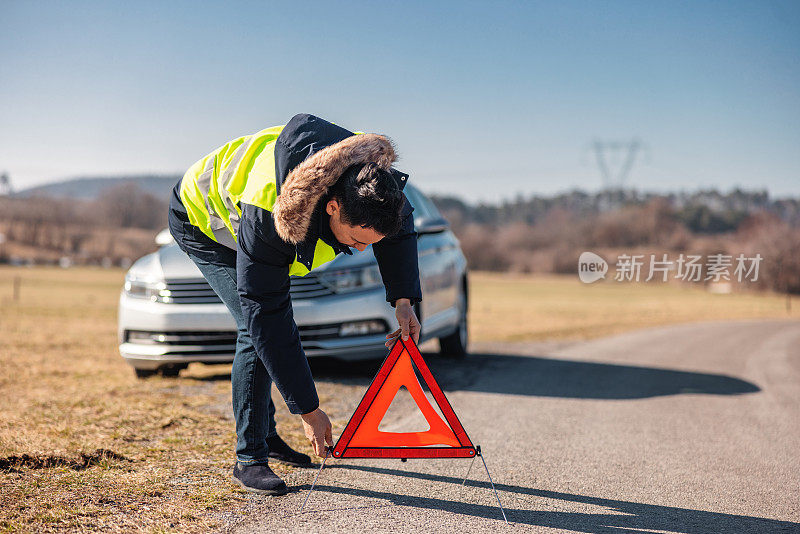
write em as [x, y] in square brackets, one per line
[332, 206]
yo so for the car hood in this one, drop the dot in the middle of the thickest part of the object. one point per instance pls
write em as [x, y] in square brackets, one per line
[170, 262]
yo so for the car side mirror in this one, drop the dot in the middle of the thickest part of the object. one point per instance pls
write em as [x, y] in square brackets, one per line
[431, 225]
[164, 238]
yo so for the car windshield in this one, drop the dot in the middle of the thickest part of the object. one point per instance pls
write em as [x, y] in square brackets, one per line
[417, 201]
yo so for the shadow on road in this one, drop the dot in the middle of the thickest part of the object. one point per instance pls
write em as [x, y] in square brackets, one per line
[548, 377]
[622, 516]
[539, 376]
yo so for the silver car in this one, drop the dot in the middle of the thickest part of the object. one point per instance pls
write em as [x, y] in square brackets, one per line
[169, 316]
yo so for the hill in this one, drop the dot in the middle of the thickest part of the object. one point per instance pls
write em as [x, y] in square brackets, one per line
[91, 188]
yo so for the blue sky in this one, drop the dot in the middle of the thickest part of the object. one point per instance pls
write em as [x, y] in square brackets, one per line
[484, 100]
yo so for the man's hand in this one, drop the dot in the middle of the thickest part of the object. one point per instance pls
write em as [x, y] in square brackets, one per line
[318, 430]
[407, 319]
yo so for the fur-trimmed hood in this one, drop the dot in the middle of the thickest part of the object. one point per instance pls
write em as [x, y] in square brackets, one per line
[309, 180]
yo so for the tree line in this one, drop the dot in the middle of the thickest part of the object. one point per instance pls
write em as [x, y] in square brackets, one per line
[535, 234]
[548, 234]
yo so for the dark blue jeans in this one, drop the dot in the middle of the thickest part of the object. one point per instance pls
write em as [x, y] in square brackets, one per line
[253, 408]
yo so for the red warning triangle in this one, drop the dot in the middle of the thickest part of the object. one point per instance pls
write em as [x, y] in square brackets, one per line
[361, 437]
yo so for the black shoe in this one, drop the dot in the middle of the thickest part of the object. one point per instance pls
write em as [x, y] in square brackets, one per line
[279, 450]
[258, 479]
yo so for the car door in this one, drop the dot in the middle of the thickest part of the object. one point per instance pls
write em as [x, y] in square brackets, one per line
[447, 256]
[433, 270]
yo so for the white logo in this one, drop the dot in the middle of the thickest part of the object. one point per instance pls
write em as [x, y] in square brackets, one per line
[591, 267]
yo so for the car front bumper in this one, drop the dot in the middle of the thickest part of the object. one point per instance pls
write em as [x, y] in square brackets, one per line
[154, 334]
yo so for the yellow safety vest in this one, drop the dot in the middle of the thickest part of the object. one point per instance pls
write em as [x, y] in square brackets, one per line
[241, 171]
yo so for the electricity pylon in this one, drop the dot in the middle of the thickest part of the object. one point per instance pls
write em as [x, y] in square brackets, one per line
[5, 185]
[616, 154]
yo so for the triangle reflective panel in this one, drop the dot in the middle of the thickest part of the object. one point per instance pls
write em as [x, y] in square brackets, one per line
[361, 438]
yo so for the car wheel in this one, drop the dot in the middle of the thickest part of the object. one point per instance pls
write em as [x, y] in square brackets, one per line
[145, 373]
[172, 371]
[455, 345]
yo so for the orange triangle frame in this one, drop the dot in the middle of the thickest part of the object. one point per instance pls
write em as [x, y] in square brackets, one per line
[361, 437]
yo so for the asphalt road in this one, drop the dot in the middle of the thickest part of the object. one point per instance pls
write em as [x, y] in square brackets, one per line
[690, 429]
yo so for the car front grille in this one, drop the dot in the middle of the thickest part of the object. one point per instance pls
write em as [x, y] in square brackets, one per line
[197, 290]
[223, 337]
[318, 332]
[186, 343]
[308, 287]
[189, 343]
[194, 291]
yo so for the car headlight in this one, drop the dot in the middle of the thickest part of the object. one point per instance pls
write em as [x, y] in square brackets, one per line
[355, 279]
[143, 288]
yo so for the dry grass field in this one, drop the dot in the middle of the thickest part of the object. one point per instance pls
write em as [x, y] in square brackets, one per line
[507, 307]
[85, 446]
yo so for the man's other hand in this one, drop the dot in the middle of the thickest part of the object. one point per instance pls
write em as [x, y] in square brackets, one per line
[407, 319]
[318, 431]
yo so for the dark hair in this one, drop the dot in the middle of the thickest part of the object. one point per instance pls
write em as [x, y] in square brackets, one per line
[369, 197]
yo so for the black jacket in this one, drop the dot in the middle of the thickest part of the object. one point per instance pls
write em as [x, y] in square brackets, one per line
[263, 259]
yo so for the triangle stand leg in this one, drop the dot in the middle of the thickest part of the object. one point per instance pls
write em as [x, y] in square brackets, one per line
[478, 450]
[327, 453]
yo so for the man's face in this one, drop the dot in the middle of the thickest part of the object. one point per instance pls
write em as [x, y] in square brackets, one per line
[352, 236]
